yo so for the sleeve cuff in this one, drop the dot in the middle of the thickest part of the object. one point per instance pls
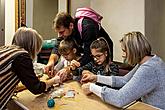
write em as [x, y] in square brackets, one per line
[95, 89]
[104, 79]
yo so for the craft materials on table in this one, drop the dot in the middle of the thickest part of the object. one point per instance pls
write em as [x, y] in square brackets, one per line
[70, 94]
[57, 93]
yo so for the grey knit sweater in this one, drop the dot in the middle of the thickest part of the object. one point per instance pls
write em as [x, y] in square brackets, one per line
[146, 81]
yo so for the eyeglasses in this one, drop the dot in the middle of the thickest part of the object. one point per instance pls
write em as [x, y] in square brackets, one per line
[66, 54]
[97, 56]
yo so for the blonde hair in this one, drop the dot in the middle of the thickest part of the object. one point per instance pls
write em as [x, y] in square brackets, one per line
[29, 39]
[136, 46]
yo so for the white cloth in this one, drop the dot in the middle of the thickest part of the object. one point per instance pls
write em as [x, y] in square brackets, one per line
[95, 89]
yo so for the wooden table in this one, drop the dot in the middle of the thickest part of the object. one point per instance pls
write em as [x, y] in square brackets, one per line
[79, 102]
[142, 106]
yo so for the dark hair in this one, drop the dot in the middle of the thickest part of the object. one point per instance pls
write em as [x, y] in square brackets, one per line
[62, 19]
[67, 45]
[102, 46]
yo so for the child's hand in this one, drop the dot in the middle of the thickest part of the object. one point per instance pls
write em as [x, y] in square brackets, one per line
[56, 79]
[88, 76]
[85, 78]
[74, 64]
[85, 88]
[86, 72]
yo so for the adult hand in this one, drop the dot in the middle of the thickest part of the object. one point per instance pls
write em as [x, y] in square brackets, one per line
[85, 88]
[50, 82]
[49, 70]
[63, 73]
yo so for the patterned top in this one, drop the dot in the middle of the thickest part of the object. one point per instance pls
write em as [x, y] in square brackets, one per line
[8, 79]
[98, 69]
[16, 65]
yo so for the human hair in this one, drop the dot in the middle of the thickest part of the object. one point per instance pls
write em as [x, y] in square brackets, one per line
[62, 19]
[29, 39]
[102, 46]
[136, 46]
[67, 45]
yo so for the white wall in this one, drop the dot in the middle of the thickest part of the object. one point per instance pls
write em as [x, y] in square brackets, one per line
[44, 12]
[9, 21]
[77, 4]
[119, 17]
[62, 5]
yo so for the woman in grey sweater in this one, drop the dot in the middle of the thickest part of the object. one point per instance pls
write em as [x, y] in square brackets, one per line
[145, 81]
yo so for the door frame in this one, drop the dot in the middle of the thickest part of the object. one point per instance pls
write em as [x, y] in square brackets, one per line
[2, 22]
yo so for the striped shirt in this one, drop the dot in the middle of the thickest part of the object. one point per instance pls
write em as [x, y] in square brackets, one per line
[8, 79]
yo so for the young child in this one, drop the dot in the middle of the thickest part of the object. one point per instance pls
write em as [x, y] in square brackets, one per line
[68, 49]
[101, 64]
